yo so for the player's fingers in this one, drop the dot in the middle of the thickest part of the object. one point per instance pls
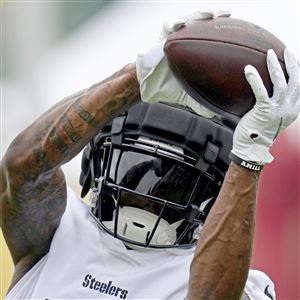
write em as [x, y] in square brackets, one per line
[293, 71]
[256, 85]
[222, 14]
[199, 15]
[146, 61]
[171, 25]
[276, 75]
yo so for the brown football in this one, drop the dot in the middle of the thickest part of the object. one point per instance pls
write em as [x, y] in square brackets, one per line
[208, 58]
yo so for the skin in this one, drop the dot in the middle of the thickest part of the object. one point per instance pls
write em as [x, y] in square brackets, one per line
[221, 262]
[33, 190]
[33, 187]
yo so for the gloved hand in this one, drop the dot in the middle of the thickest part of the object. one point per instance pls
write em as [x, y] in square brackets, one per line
[157, 82]
[258, 128]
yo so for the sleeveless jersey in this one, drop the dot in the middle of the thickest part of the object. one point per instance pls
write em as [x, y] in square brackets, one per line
[85, 262]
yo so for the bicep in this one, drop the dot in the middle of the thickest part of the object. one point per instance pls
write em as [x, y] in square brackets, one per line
[30, 215]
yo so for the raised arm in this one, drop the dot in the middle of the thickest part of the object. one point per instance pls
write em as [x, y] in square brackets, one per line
[222, 259]
[220, 266]
[33, 189]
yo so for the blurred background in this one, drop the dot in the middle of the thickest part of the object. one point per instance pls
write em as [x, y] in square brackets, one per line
[50, 49]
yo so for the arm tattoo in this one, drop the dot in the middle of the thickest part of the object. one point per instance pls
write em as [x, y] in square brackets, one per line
[85, 115]
[58, 141]
[33, 195]
[69, 129]
[114, 105]
[40, 157]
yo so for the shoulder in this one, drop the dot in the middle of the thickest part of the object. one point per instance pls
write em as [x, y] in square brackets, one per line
[76, 207]
[76, 216]
[74, 199]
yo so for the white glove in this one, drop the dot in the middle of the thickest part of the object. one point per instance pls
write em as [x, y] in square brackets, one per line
[258, 128]
[259, 286]
[157, 82]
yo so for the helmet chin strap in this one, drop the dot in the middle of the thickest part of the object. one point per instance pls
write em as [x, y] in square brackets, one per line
[137, 224]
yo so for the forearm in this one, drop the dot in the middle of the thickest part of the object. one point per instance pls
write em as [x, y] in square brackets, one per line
[222, 258]
[61, 133]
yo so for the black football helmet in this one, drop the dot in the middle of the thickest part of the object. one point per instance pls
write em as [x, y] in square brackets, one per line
[154, 173]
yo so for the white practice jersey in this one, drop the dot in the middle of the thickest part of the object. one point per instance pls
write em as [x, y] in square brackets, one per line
[84, 262]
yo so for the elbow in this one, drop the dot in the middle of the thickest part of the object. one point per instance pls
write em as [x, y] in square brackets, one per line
[18, 163]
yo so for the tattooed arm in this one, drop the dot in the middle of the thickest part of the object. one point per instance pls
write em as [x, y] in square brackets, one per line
[33, 188]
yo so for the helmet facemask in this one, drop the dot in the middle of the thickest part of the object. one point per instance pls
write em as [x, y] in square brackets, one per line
[154, 174]
[149, 194]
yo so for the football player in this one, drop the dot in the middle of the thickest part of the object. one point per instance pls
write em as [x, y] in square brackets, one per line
[172, 188]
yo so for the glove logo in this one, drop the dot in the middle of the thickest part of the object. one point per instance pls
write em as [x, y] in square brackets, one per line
[268, 293]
